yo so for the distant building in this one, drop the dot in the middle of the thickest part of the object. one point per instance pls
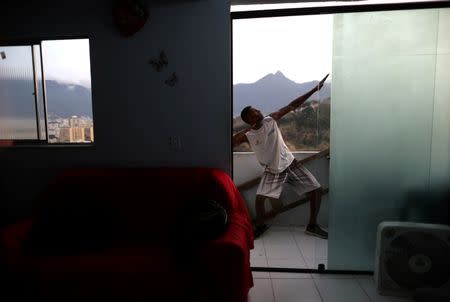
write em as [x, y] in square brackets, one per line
[76, 129]
[74, 121]
[52, 135]
[76, 135]
[89, 134]
[62, 122]
[64, 135]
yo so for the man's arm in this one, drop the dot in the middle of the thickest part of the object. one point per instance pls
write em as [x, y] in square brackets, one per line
[297, 102]
[240, 137]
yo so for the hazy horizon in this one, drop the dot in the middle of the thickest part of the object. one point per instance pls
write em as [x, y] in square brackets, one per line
[298, 46]
[64, 61]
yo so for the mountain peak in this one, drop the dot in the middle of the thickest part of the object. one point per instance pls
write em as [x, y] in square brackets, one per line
[277, 74]
[271, 76]
[272, 92]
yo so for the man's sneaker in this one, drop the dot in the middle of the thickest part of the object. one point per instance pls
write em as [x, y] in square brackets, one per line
[315, 230]
[260, 229]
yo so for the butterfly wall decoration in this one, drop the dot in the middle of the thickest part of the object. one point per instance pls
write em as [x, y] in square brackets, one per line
[172, 80]
[160, 63]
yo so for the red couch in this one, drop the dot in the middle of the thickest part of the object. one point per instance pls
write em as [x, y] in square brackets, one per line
[136, 209]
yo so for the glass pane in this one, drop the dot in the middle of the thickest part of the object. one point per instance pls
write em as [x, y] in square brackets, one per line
[39, 91]
[440, 164]
[384, 67]
[17, 102]
[67, 74]
[444, 31]
[385, 33]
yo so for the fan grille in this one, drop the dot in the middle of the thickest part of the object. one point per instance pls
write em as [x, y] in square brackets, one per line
[417, 259]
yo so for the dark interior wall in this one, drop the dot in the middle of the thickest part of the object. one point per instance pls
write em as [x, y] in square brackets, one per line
[134, 112]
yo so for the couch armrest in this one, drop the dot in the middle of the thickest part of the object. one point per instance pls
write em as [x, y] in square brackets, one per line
[226, 262]
[235, 204]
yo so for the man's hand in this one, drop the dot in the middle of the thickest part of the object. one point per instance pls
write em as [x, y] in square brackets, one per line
[297, 102]
[322, 81]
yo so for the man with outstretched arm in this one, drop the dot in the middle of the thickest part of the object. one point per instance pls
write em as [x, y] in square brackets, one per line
[279, 164]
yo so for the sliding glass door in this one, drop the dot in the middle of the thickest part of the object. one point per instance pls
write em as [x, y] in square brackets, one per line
[389, 125]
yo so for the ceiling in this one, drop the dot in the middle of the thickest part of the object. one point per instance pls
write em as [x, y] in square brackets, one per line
[242, 2]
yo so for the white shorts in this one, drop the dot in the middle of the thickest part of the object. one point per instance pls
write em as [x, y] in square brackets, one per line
[296, 174]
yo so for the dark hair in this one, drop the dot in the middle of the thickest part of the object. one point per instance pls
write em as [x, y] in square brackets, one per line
[244, 113]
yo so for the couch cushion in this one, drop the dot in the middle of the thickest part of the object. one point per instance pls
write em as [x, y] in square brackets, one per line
[70, 227]
[142, 204]
[200, 220]
[118, 274]
[131, 259]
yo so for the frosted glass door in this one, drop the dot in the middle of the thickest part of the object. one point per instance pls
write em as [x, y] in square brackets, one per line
[17, 101]
[389, 123]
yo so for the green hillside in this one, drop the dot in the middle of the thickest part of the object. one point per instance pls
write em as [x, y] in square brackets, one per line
[307, 129]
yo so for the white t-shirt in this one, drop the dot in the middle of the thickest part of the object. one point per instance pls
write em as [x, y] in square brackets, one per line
[269, 146]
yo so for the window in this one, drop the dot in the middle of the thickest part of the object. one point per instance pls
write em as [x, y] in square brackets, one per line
[45, 92]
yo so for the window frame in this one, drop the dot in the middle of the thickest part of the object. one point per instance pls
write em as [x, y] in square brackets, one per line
[43, 140]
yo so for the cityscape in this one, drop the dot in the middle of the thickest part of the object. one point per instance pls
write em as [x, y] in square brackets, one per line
[76, 129]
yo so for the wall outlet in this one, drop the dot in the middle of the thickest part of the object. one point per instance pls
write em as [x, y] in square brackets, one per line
[175, 142]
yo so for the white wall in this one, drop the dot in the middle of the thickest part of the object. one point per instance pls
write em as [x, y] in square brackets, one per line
[134, 112]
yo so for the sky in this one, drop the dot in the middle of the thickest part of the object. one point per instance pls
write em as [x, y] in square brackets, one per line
[298, 46]
[65, 61]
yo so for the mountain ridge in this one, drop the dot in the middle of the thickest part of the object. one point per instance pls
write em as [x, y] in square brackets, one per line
[63, 99]
[272, 92]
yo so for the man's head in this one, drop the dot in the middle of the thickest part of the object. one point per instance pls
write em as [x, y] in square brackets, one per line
[251, 115]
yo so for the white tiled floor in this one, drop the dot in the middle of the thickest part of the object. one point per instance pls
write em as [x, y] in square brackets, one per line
[291, 287]
[290, 247]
